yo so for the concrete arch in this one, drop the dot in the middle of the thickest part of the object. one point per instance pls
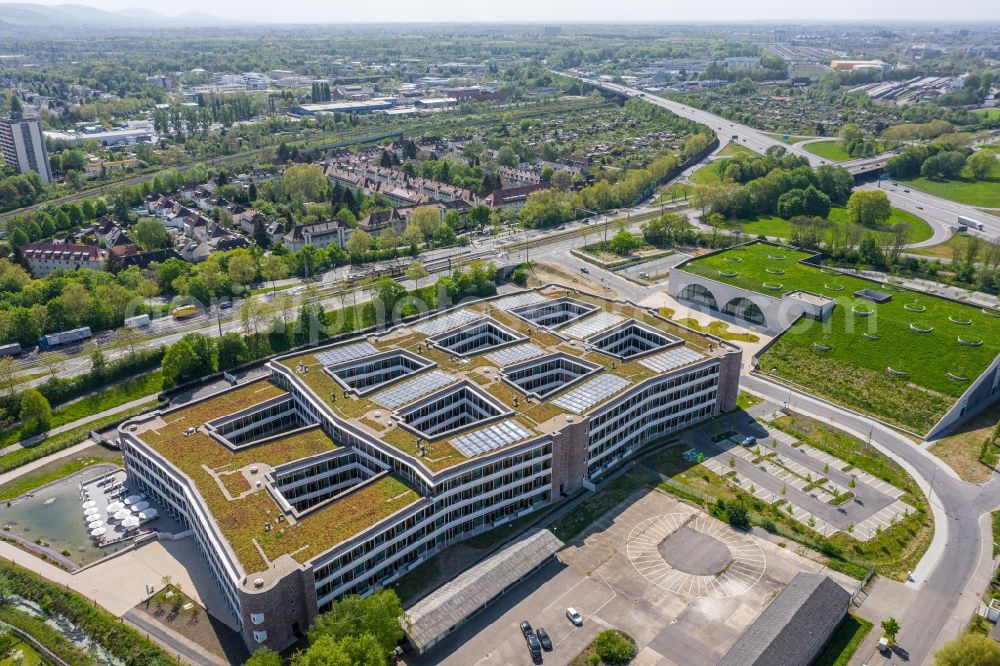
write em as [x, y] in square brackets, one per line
[745, 309]
[700, 294]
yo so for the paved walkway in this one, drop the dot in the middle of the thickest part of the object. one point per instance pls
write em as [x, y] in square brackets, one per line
[31, 441]
[185, 650]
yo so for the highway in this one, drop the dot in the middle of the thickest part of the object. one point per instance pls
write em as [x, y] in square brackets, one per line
[941, 213]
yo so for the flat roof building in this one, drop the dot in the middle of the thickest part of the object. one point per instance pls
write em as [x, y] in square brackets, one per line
[22, 146]
[355, 462]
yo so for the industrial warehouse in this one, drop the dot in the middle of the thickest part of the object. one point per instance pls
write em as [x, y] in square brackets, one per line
[353, 463]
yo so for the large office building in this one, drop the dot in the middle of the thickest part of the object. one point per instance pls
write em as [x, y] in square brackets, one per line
[353, 463]
[22, 145]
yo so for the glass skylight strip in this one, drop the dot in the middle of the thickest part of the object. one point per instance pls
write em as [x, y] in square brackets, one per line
[448, 322]
[671, 359]
[593, 324]
[587, 395]
[412, 389]
[346, 353]
[490, 438]
[515, 354]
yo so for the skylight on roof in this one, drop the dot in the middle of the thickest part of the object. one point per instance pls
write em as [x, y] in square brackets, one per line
[542, 377]
[375, 372]
[554, 313]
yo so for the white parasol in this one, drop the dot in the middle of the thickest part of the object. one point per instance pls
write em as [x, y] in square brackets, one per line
[89, 503]
[91, 511]
[94, 524]
[98, 531]
[131, 521]
[115, 506]
[122, 514]
[148, 514]
[140, 506]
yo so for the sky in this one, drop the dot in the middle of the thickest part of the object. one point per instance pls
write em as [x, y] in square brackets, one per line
[561, 11]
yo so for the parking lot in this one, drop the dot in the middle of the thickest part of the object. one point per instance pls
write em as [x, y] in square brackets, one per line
[817, 489]
[683, 584]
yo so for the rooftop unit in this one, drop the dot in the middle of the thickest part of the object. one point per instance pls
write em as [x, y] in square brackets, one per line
[631, 339]
[475, 338]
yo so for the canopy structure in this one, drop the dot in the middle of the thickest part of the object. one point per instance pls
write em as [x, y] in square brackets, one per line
[148, 514]
[132, 499]
[140, 506]
[115, 506]
[131, 521]
[91, 511]
[94, 524]
[98, 531]
[89, 503]
[122, 514]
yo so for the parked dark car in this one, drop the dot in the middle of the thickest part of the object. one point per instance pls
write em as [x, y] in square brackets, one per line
[526, 628]
[543, 638]
[535, 648]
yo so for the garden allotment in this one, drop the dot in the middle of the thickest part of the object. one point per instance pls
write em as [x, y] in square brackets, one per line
[353, 463]
[912, 359]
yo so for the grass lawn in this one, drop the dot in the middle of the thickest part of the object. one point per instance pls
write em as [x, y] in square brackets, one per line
[914, 333]
[988, 114]
[64, 440]
[945, 250]
[119, 394]
[773, 226]
[961, 450]
[844, 642]
[583, 515]
[707, 174]
[984, 193]
[996, 532]
[830, 149]
[719, 329]
[675, 191]
[59, 469]
[733, 149]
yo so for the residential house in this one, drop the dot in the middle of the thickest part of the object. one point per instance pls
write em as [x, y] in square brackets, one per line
[43, 258]
[320, 234]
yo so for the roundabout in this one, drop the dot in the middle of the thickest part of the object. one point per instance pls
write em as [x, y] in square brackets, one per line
[695, 556]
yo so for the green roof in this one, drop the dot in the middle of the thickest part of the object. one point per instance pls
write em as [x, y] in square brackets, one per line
[916, 333]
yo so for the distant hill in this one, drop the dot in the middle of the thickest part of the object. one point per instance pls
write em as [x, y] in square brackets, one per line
[29, 15]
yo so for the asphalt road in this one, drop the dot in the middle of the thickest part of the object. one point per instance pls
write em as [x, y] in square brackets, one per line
[946, 569]
[939, 212]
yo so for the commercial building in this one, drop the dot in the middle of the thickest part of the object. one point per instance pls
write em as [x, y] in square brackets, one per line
[355, 462]
[22, 145]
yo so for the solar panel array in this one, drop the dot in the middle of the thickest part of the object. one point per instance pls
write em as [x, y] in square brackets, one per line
[587, 395]
[346, 353]
[593, 324]
[671, 359]
[448, 322]
[516, 354]
[490, 438]
[518, 300]
[412, 389]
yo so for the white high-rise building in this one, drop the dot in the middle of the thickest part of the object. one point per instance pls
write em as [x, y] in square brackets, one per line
[23, 145]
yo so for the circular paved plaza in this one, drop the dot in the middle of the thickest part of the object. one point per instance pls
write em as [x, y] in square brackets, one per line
[694, 555]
